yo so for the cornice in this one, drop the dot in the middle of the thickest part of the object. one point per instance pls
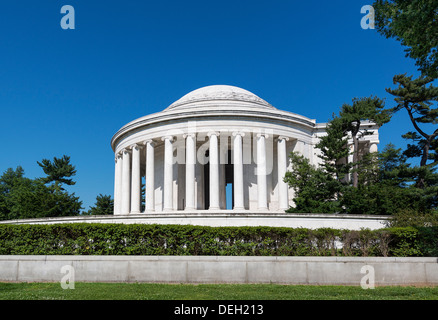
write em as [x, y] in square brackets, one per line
[258, 115]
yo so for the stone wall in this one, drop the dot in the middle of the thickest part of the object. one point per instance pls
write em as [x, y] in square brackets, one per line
[215, 269]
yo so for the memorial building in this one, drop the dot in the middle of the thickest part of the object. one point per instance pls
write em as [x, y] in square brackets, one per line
[217, 148]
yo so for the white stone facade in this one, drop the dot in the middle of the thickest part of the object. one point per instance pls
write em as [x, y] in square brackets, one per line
[186, 155]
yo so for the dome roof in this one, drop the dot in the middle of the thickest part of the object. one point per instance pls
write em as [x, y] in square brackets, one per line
[218, 93]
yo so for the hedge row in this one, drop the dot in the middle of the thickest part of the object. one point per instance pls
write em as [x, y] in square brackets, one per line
[141, 239]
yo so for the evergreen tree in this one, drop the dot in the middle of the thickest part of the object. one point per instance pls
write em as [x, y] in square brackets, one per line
[21, 197]
[334, 150]
[104, 206]
[33, 199]
[352, 116]
[315, 190]
[389, 186]
[414, 23]
[8, 181]
[59, 171]
[417, 99]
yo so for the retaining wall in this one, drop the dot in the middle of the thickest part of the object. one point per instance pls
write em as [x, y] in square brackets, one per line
[222, 269]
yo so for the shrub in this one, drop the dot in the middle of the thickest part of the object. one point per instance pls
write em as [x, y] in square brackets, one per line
[142, 239]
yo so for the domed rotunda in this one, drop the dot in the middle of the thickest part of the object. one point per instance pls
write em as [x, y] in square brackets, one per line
[217, 148]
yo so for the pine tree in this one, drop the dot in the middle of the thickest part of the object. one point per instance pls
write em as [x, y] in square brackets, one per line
[59, 171]
[334, 150]
[104, 206]
[315, 189]
[417, 99]
[352, 116]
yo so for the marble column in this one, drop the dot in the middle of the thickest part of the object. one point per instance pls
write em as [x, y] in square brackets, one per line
[261, 172]
[190, 170]
[238, 171]
[214, 170]
[118, 185]
[283, 189]
[168, 173]
[150, 176]
[126, 182]
[135, 180]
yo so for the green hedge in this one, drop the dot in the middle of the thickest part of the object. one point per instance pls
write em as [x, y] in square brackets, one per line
[141, 239]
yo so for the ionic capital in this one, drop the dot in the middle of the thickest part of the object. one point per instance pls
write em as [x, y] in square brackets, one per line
[118, 156]
[191, 135]
[280, 138]
[170, 138]
[211, 133]
[265, 135]
[150, 142]
[136, 146]
[238, 133]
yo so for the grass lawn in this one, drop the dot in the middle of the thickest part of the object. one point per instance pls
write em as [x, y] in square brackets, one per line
[148, 291]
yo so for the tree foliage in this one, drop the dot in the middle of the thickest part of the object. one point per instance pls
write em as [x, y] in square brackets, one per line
[58, 171]
[104, 206]
[388, 186]
[334, 150]
[315, 190]
[352, 116]
[418, 99]
[22, 197]
[414, 23]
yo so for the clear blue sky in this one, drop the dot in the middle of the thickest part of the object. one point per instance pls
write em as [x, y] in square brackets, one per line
[68, 91]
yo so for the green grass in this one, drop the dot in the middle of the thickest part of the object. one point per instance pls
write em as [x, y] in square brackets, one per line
[148, 291]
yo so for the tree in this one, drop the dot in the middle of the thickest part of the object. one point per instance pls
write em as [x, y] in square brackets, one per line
[33, 199]
[321, 189]
[417, 99]
[414, 23]
[389, 186]
[22, 197]
[104, 206]
[8, 181]
[58, 171]
[369, 108]
[334, 150]
[315, 190]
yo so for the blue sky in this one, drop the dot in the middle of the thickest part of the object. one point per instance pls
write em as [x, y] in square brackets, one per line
[68, 91]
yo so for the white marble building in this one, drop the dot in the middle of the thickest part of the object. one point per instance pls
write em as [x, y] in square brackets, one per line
[213, 139]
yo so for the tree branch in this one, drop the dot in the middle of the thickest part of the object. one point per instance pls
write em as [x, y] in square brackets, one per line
[414, 123]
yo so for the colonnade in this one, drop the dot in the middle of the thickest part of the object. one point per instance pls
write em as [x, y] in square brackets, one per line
[127, 191]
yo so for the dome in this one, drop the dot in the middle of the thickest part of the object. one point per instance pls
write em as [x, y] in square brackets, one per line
[219, 93]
